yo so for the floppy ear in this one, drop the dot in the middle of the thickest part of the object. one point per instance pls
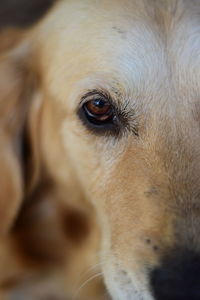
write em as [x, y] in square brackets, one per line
[27, 194]
[17, 87]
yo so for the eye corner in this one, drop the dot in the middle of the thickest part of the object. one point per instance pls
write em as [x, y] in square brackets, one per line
[130, 122]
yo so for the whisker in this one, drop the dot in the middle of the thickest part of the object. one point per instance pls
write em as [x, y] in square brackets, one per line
[86, 272]
[92, 268]
[85, 283]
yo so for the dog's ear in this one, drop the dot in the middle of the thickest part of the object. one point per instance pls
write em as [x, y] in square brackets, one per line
[17, 89]
[29, 209]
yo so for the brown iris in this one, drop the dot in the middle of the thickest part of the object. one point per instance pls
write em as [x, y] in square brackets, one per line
[99, 109]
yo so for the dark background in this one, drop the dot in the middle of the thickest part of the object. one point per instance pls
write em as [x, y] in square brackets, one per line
[22, 13]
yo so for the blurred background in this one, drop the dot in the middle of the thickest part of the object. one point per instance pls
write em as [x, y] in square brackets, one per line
[22, 13]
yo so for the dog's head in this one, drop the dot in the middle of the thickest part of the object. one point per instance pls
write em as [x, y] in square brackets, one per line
[119, 84]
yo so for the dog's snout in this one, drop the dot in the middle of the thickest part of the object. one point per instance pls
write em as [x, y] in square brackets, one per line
[177, 278]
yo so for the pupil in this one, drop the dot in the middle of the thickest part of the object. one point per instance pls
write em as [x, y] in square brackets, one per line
[99, 103]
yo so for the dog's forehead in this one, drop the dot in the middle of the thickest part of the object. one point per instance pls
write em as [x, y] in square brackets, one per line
[152, 53]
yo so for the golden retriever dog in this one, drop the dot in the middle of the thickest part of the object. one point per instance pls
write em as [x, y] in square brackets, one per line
[100, 120]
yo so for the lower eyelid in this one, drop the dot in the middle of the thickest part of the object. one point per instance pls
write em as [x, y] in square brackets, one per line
[111, 127]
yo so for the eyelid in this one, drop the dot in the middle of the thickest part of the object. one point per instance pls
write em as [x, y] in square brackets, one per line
[96, 94]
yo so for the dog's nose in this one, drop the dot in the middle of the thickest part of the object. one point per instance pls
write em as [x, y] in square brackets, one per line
[178, 277]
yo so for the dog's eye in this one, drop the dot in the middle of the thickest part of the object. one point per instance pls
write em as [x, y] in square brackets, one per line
[98, 113]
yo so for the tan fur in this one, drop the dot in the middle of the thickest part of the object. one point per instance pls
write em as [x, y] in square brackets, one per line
[145, 189]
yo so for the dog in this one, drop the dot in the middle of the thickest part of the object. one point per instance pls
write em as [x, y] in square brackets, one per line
[99, 101]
